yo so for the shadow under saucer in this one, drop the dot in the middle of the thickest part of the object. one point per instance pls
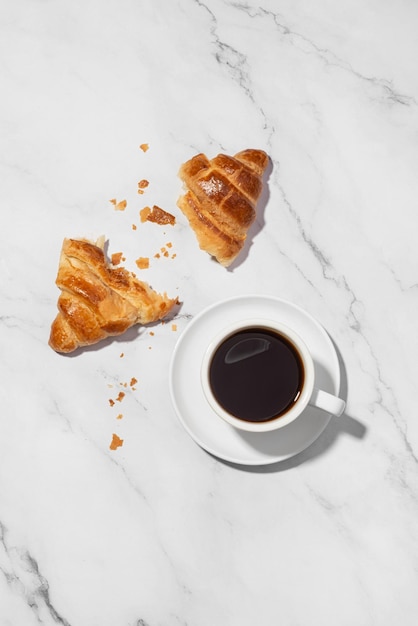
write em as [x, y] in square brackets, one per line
[337, 426]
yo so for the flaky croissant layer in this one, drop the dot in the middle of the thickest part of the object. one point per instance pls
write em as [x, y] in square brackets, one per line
[221, 198]
[98, 301]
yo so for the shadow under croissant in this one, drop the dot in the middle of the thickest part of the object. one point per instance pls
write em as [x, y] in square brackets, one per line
[259, 221]
[130, 335]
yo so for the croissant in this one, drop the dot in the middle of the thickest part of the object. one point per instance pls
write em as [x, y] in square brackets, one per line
[98, 301]
[221, 199]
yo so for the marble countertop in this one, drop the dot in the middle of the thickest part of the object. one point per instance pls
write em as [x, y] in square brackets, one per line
[159, 532]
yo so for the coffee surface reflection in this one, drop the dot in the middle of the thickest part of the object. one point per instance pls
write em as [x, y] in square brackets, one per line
[256, 374]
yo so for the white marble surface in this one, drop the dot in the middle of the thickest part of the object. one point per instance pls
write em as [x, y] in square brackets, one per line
[158, 532]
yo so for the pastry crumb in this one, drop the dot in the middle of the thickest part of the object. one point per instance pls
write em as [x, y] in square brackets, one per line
[142, 262]
[144, 147]
[157, 215]
[163, 251]
[133, 226]
[151, 332]
[143, 184]
[122, 354]
[133, 381]
[174, 327]
[116, 258]
[119, 417]
[113, 201]
[111, 402]
[120, 206]
[143, 214]
[169, 244]
[116, 442]
[121, 396]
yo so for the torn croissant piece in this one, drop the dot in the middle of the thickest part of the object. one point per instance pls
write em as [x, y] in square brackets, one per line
[97, 300]
[221, 198]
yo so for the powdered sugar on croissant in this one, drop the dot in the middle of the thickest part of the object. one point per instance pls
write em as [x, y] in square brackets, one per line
[221, 199]
[98, 301]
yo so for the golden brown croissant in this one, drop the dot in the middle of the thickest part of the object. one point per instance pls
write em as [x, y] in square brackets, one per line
[98, 301]
[221, 199]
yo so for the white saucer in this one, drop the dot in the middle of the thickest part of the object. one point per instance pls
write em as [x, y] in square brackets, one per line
[207, 429]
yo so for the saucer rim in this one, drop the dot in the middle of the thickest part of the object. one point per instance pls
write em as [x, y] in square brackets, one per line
[262, 460]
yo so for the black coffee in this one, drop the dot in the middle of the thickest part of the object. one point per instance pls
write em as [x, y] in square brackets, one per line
[256, 374]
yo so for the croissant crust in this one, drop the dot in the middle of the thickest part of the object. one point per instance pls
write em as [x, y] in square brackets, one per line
[98, 301]
[221, 199]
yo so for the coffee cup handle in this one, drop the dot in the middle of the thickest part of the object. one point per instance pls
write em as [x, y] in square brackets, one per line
[327, 402]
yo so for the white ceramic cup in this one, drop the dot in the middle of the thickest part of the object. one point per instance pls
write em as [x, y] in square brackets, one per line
[308, 393]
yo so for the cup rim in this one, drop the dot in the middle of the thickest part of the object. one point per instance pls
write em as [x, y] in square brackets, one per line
[299, 345]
